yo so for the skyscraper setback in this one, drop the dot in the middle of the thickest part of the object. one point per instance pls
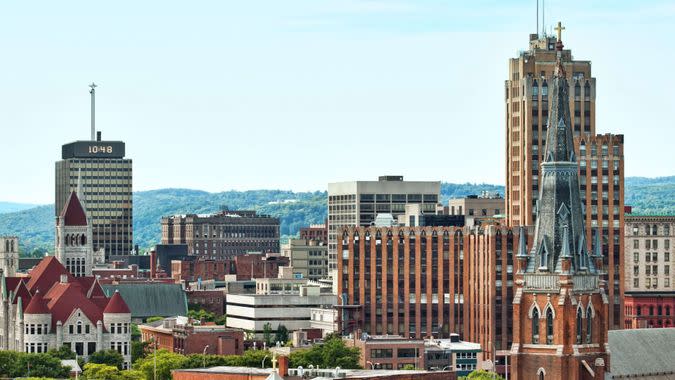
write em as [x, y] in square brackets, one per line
[600, 157]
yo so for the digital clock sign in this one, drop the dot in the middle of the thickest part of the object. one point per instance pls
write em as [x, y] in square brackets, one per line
[93, 149]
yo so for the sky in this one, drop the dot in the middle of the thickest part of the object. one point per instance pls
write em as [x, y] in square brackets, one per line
[293, 94]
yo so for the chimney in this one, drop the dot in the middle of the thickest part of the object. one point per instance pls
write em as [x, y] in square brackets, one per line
[153, 263]
[283, 366]
[63, 279]
[98, 135]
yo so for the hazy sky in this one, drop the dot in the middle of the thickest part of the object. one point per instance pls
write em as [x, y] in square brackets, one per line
[220, 95]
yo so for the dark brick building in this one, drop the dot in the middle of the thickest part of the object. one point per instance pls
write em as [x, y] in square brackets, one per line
[224, 234]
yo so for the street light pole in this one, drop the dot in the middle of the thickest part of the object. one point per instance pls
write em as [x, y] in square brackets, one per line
[204, 356]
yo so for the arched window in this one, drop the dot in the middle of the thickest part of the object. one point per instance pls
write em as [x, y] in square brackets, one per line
[589, 324]
[6, 245]
[666, 230]
[83, 239]
[535, 326]
[549, 326]
[535, 89]
[79, 327]
[67, 241]
[11, 246]
[544, 91]
[647, 230]
[579, 325]
[654, 230]
[541, 373]
[577, 91]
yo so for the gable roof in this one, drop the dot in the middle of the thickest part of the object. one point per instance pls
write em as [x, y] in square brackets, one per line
[116, 305]
[47, 273]
[22, 292]
[73, 213]
[64, 298]
[642, 352]
[37, 305]
[151, 299]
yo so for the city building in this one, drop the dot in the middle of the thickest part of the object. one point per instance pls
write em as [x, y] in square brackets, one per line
[477, 208]
[416, 216]
[224, 234]
[315, 232]
[9, 255]
[388, 351]
[324, 319]
[599, 157]
[407, 281]
[309, 258]
[255, 265]
[649, 299]
[211, 300]
[105, 178]
[277, 301]
[74, 243]
[642, 354]
[453, 354]
[183, 336]
[356, 203]
[50, 308]
[560, 306]
[185, 271]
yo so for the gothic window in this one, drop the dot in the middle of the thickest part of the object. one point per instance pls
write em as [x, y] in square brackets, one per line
[535, 326]
[589, 324]
[549, 326]
[79, 327]
[535, 89]
[67, 242]
[654, 230]
[7, 245]
[579, 325]
[83, 239]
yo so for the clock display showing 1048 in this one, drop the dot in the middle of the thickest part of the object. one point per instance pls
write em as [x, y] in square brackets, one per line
[95, 149]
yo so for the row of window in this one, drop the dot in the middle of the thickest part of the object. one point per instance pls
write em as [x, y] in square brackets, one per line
[651, 244]
[652, 230]
[659, 310]
[119, 328]
[651, 283]
[651, 270]
[36, 328]
[121, 347]
[35, 347]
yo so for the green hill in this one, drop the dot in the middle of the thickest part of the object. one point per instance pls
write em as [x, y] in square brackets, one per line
[35, 226]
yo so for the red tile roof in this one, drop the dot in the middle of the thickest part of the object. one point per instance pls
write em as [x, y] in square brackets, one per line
[37, 305]
[46, 273]
[117, 305]
[22, 292]
[64, 298]
[73, 212]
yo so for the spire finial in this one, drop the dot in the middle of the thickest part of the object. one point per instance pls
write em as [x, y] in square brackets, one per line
[559, 30]
[93, 110]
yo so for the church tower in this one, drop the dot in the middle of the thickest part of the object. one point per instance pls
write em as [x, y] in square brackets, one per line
[9, 255]
[560, 305]
[74, 247]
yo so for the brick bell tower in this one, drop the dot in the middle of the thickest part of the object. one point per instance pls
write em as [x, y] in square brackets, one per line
[560, 307]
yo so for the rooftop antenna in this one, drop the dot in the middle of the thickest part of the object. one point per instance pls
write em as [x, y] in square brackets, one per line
[93, 110]
[543, 16]
[537, 18]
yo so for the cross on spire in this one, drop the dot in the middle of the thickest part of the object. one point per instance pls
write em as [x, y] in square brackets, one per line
[559, 30]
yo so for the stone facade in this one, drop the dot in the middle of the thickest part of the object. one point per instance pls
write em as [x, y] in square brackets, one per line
[9, 255]
[51, 308]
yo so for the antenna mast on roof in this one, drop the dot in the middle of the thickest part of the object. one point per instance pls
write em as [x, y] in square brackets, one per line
[543, 16]
[93, 110]
[537, 18]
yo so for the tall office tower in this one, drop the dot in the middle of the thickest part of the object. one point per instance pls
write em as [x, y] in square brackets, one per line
[106, 181]
[528, 101]
[560, 308]
[224, 234]
[650, 279]
[356, 203]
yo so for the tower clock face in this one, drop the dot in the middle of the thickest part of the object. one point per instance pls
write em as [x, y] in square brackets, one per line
[94, 149]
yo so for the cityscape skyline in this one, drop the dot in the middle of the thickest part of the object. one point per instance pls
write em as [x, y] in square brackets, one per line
[297, 72]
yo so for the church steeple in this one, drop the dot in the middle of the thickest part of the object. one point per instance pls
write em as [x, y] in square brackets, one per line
[560, 224]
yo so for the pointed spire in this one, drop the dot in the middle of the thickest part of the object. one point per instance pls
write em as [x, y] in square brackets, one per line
[598, 243]
[19, 309]
[522, 243]
[583, 257]
[565, 253]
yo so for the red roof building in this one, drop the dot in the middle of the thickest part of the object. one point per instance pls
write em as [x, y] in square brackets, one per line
[50, 308]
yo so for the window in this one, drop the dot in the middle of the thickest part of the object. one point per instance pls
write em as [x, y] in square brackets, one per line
[535, 326]
[655, 256]
[589, 324]
[549, 326]
[636, 257]
[636, 244]
[579, 325]
[636, 270]
[636, 282]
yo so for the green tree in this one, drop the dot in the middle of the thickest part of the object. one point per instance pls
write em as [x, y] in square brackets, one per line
[330, 354]
[153, 319]
[7, 362]
[63, 353]
[222, 320]
[107, 372]
[38, 365]
[409, 367]
[282, 334]
[109, 357]
[267, 333]
[166, 361]
[138, 350]
[135, 332]
[483, 375]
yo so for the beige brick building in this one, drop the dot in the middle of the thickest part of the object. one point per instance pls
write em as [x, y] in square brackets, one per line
[648, 264]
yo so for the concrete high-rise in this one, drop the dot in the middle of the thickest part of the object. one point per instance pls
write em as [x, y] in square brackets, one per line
[105, 178]
[600, 157]
[357, 203]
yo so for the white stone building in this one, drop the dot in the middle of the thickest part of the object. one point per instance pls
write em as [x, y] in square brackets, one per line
[9, 255]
